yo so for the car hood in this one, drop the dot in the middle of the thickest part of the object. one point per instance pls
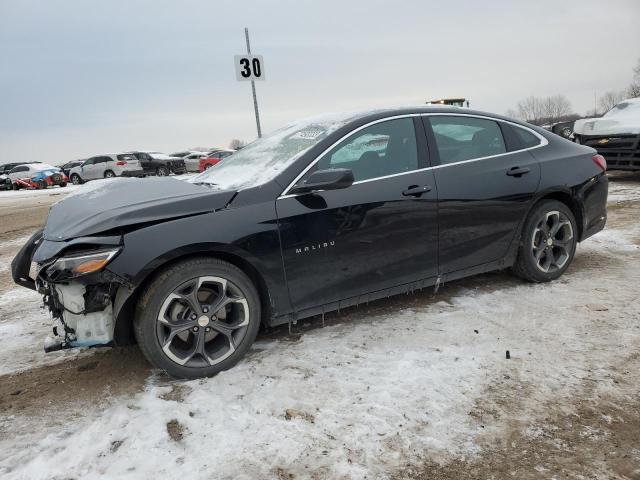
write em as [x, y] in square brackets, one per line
[607, 126]
[106, 205]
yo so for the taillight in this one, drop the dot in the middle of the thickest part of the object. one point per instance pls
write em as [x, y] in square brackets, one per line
[600, 161]
[120, 163]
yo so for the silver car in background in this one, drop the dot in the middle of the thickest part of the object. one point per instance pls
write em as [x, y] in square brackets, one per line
[192, 160]
[106, 166]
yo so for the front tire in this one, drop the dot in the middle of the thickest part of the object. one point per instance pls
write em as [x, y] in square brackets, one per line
[75, 179]
[548, 243]
[162, 172]
[197, 318]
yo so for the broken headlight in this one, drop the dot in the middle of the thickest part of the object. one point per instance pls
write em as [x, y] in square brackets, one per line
[74, 266]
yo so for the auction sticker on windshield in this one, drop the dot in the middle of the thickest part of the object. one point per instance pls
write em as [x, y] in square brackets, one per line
[308, 134]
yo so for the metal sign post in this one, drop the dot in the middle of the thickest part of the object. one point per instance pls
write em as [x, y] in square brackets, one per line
[254, 70]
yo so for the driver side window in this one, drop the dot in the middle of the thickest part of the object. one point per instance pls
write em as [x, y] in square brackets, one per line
[385, 148]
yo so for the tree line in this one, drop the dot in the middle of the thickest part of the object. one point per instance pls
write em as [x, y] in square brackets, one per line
[557, 108]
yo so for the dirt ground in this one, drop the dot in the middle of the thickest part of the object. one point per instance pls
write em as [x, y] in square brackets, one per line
[593, 435]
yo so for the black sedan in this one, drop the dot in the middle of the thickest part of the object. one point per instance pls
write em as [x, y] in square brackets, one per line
[156, 163]
[323, 214]
[66, 168]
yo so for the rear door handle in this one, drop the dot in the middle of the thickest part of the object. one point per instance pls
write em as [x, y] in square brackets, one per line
[416, 190]
[518, 171]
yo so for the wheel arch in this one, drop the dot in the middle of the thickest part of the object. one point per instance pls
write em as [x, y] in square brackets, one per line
[565, 196]
[126, 300]
[569, 198]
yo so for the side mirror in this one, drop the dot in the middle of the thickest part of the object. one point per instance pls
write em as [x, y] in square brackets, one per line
[333, 179]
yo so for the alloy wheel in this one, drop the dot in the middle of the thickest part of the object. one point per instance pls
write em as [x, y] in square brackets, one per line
[201, 322]
[162, 172]
[552, 241]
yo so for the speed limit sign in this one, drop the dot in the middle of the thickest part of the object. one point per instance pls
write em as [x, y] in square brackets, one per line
[249, 67]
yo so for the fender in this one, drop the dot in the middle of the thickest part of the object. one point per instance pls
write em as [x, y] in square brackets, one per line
[128, 293]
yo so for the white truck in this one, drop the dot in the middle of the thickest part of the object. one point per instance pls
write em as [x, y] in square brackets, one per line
[615, 135]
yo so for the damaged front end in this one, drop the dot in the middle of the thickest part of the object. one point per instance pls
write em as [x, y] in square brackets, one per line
[76, 288]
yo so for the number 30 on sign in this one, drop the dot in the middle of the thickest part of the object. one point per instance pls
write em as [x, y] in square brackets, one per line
[249, 67]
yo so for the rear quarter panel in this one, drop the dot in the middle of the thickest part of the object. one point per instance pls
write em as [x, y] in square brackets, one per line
[568, 167]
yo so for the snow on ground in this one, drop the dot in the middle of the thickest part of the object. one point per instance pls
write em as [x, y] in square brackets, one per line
[55, 191]
[369, 394]
[37, 193]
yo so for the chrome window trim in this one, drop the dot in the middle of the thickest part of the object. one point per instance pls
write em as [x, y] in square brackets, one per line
[543, 142]
[285, 193]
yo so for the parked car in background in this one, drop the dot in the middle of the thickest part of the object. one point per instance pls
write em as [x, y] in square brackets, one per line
[615, 135]
[191, 270]
[182, 154]
[160, 164]
[192, 161]
[5, 182]
[66, 168]
[5, 168]
[37, 175]
[213, 158]
[106, 166]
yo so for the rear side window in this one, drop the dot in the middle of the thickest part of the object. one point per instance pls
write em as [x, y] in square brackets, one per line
[527, 139]
[464, 138]
[125, 158]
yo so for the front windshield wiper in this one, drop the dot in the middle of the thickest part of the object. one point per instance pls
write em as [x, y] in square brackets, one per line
[208, 184]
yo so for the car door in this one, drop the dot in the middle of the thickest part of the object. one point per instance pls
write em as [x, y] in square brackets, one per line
[88, 169]
[484, 188]
[103, 164]
[146, 162]
[21, 171]
[378, 233]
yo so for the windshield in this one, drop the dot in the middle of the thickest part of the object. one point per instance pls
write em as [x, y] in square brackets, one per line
[624, 109]
[262, 160]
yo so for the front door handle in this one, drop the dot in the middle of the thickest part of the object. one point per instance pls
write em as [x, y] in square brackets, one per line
[518, 171]
[416, 190]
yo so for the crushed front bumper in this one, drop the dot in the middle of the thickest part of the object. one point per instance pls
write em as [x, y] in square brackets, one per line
[81, 308]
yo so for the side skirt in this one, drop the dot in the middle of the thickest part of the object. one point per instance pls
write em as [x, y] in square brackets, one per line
[397, 290]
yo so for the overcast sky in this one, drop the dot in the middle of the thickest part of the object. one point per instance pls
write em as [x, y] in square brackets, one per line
[81, 77]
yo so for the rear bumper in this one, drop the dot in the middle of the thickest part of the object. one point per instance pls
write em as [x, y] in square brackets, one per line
[132, 173]
[59, 180]
[594, 199]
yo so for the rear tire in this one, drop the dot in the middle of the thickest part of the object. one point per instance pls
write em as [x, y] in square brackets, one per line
[548, 242]
[109, 174]
[197, 318]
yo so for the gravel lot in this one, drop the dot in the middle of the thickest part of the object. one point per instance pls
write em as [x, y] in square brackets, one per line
[415, 386]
